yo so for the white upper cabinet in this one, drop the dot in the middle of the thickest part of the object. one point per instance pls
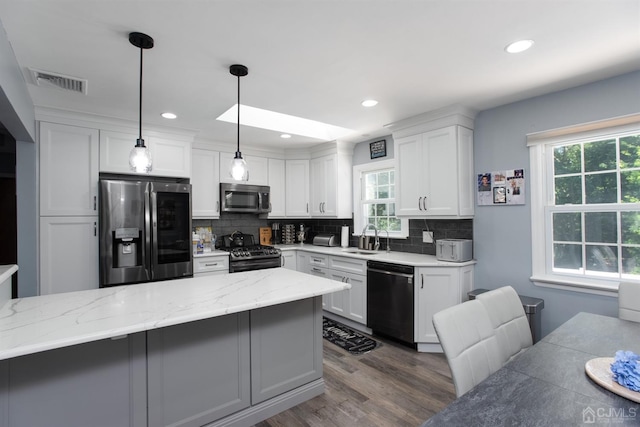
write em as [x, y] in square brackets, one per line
[171, 156]
[205, 184]
[297, 188]
[434, 173]
[277, 183]
[258, 168]
[330, 189]
[68, 170]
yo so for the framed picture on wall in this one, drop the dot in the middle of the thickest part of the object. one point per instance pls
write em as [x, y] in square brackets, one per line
[378, 149]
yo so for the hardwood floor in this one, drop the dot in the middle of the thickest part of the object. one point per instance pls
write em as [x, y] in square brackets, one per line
[390, 386]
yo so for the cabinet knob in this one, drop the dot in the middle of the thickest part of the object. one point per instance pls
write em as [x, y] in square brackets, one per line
[95, 203]
[424, 202]
[420, 202]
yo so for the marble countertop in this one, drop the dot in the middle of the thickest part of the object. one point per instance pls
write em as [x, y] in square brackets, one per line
[406, 258]
[35, 324]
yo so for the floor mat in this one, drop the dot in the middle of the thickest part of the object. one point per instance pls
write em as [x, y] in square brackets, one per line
[348, 339]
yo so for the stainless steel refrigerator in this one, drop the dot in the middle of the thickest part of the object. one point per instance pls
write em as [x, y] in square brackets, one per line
[145, 230]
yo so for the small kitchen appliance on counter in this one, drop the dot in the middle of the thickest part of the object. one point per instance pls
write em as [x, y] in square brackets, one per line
[455, 250]
[325, 240]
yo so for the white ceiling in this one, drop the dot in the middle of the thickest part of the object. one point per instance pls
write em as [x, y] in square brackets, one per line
[316, 59]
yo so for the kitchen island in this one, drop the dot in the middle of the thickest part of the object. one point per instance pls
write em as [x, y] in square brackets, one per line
[213, 350]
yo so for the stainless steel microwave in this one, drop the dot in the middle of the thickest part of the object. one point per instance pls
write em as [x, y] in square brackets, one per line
[244, 198]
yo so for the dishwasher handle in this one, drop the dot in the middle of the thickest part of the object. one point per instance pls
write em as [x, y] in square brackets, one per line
[391, 273]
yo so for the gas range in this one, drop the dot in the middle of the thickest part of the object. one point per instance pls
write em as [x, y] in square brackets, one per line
[245, 255]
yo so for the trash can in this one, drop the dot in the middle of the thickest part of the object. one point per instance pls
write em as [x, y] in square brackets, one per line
[532, 308]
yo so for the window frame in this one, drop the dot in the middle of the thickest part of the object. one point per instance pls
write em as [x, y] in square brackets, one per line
[541, 146]
[358, 192]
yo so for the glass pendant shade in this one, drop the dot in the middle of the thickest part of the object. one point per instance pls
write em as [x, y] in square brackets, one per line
[238, 169]
[140, 158]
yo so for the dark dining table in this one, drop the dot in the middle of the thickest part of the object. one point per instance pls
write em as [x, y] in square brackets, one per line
[547, 384]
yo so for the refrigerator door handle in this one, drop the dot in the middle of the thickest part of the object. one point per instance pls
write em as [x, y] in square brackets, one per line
[148, 237]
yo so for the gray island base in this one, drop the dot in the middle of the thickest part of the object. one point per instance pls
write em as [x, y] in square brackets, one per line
[235, 369]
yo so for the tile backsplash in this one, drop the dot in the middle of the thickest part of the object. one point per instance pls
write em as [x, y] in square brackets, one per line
[251, 223]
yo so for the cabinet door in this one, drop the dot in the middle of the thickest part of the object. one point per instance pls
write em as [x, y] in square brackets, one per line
[289, 260]
[171, 156]
[258, 168]
[199, 372]
[302, 262]
[99, 384]
[437, 288]
[297, 188]
[286, 347]
[338, 302]
[277, 184]
[68, 254]
[440, 164]
[356, 300]
[323, 188]
[409, 171]
[68, 170]
[205, 180]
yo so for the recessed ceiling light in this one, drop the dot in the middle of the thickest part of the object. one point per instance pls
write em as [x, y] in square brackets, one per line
[369, 103]
[169, 115]
[519, 46]
[285, 136]
[284, 123]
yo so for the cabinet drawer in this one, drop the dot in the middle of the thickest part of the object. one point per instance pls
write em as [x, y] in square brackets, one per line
[350, 265]
[316, 260]
[209, 264]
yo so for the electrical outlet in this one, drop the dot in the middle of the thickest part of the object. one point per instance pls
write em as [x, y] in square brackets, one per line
[427, 236]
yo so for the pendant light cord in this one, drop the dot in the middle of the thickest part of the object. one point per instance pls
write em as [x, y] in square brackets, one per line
[238, 150]
[140, 106]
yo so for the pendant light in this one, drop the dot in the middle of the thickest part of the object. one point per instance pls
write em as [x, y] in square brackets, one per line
[238, 169]
[140, 156]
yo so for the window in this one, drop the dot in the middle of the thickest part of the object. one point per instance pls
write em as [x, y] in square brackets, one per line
[374, 190]
[585, 202]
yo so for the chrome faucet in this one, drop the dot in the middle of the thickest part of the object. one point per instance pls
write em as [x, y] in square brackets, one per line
[376, 244]
[388, 247]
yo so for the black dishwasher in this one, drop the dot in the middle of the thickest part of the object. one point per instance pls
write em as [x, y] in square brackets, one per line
[390, 300]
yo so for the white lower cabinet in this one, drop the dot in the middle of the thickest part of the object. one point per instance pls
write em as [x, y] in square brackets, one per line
[68, 254]
[350, 303]
[208, 265]
[289, 260]
[437, 288]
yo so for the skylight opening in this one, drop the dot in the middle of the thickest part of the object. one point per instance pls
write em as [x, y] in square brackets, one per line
[283, 123]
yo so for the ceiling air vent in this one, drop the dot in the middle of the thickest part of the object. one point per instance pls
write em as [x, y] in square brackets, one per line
[60, 81]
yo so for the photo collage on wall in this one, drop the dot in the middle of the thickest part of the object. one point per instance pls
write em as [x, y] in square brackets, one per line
[501, 188]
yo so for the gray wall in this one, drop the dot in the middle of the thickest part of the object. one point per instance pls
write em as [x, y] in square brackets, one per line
[502, 234]
[28, 252]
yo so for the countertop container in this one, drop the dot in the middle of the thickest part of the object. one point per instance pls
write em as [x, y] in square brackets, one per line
[325, 240]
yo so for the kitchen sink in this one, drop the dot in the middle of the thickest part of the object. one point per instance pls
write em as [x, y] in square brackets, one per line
[360, 251]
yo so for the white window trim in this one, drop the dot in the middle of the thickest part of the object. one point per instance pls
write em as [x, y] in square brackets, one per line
[358, 170]
[537, 143]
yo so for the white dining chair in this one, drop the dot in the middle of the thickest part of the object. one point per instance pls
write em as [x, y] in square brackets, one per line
[509, 321]
[629, 301]
[469, 344]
